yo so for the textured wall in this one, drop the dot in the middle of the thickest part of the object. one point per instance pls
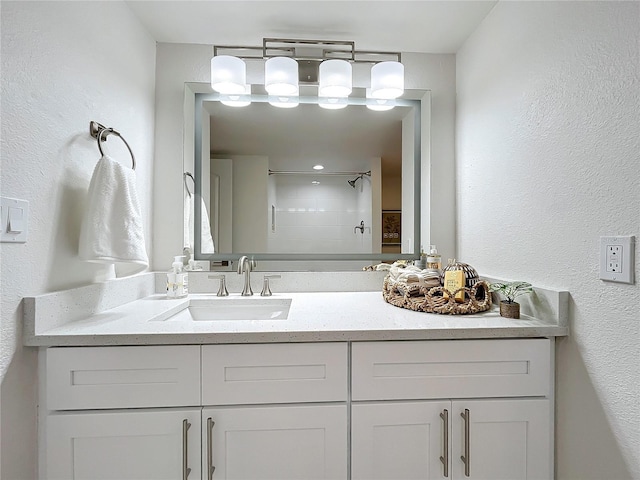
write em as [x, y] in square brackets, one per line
[63, 64]
[547, 161]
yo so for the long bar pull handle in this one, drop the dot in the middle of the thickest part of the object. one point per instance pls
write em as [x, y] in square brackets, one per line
[185, 450]
[465, 457]
[445, 440]
[210, 466]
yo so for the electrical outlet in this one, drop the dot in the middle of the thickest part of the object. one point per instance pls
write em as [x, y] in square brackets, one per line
[617, 259]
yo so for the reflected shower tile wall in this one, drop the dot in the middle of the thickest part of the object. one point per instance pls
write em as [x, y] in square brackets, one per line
[319, 218]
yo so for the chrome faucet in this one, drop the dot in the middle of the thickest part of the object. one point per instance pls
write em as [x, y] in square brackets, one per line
[244, 266]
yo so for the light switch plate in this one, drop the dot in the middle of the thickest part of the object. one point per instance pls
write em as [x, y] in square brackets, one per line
[617, 258]
[14, 215]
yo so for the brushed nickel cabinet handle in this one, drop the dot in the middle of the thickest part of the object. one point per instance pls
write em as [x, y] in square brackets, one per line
[210, 467]
[185, 450]
[445, 440]
[465, 457]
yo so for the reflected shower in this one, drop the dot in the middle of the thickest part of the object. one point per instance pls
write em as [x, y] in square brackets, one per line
[361, 176]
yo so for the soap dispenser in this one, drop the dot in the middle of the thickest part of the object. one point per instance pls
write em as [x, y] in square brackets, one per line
[177, 279]
[434, 259]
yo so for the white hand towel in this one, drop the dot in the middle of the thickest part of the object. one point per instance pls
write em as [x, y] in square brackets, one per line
[112, 229]
[206, 243]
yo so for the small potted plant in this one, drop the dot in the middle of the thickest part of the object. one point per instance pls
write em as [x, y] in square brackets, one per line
[509, 308]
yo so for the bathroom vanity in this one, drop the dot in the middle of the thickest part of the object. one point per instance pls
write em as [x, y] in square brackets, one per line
[346, 386]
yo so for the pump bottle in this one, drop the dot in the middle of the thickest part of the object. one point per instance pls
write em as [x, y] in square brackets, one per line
[177, 279]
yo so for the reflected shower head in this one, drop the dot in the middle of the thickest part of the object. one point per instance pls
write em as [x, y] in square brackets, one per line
[353, 182]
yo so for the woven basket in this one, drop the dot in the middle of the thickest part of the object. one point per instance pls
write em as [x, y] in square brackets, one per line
[431, 300]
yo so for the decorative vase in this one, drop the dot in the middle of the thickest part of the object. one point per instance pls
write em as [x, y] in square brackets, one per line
[509, 310]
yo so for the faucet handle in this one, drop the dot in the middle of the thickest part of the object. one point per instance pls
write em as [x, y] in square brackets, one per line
[222, 291]
[266, 291]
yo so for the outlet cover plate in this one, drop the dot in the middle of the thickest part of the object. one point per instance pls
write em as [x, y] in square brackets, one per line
[617, 258]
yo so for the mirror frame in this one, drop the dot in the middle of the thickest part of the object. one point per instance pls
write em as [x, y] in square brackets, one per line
[196, 94]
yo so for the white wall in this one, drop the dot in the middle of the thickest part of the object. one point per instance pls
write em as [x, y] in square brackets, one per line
[180, 63]
[63, 64]
[547, 161]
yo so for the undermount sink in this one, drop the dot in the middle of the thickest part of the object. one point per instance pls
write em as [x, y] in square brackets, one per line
[249, 308]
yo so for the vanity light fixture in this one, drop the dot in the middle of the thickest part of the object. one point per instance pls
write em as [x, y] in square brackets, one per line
[318, 167]
[241, 100]
[379, 104]
[387, 80]
[285, 101]
[228, 75]
[290, 62]
[332, 103]
[335, 79]
[281, 76]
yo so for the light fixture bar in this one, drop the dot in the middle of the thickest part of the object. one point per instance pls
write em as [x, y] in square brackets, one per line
[345, 47]
[286, 47]
[350, 174]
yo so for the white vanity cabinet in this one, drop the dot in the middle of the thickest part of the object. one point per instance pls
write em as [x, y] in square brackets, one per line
[132, 445]
[262, 411]
[390, 409]
[456, 419]
[103, 419]
[266, 420]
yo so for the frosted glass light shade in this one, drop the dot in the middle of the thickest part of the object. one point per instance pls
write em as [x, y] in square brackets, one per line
[242, 100]
[284, 101]
[379, 104]
[334, 79]
[387, 80]
[332, 103]
[228, 74]
[281, 76]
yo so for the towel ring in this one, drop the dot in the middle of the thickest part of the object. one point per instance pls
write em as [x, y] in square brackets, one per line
[184, 177]
[100, 133]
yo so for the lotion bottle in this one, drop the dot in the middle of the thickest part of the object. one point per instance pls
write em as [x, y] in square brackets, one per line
[434, 259]
[177, 279]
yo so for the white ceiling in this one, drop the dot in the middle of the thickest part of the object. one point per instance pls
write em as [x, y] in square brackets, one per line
[298, 138]
[406, 26]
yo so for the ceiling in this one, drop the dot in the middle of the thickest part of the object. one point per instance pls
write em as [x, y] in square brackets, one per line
[405, 26]
[298, 138]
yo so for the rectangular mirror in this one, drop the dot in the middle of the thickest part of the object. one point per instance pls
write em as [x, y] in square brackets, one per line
[256, 192]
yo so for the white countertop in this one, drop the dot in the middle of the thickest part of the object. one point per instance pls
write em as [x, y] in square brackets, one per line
[317, 316]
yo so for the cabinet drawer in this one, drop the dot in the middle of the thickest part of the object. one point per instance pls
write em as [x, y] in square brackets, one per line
[274, 373]
[450, 369]
[122, 377]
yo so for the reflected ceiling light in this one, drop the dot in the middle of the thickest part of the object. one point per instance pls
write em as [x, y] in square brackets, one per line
[242, 100]
[387, 80]
[228, 74]
[318, 167]
[335, 79]
[315, 182]
[281, 76]
[379, 104]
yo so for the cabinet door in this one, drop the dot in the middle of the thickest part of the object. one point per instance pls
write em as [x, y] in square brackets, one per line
[399, 441]
[275, 443]
[133, 445]
[505, 439]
